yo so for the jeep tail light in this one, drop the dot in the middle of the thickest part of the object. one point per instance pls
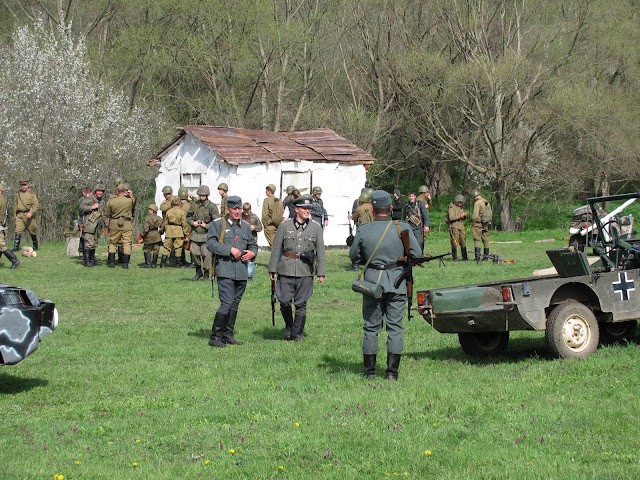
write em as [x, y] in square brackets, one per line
[506, 294]
[421, 299]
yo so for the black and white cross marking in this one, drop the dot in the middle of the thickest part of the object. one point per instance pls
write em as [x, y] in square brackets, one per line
[624, 286]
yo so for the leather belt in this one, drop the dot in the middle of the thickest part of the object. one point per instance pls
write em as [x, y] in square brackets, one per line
[292, 255]
[386, 266]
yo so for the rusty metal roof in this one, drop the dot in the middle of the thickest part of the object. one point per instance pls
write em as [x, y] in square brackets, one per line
[240, 146]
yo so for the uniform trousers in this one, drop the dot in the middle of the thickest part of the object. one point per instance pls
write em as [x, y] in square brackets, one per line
[152, 248]
[173, 243]
[296, 289]
[230, 293]
[91, 240]
[120, 237]
[201, 255]
[24, 223]
[480, 234]
[391, 306]
[270, 234]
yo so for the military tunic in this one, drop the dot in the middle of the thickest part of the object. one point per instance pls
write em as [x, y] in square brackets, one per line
[391, 304]
[271, 217]
[363, 214]
[223, 204]
[151, 234]
[417, 216]
[318, 212]
[119, 211]
[3, 211]
[175, 223]
[206, 212]
[93, 220]
[425, 199]
[25, 203]
[480, 229]
[455, 214]
[166, 205]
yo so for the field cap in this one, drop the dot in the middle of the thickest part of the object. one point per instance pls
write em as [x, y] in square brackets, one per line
[380, 198]
[272, 187]
[153, 207]
[234, 201]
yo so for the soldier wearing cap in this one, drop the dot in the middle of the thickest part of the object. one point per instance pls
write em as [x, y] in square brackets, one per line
[297, 244]
[174, 225]
[256, 226]
[25, 205]
[318, 212]
[201, 213]
[85, 193]
[396, 206]
[119, 211]
[4, 211]
[223, 188]
[455, 216]
[272, 212]
[92, 208]
[151, 237]
[231, 242]
[378, 245]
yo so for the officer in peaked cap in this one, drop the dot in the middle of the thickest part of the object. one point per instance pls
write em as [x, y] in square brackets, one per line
[231, 241]
[378, 245]
[298, 245]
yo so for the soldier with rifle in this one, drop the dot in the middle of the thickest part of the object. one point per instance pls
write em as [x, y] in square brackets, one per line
[231, 241]
[3, 228]
[379, 246]
[457, 232]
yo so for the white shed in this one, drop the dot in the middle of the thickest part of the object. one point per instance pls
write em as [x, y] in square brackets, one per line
[248, 160]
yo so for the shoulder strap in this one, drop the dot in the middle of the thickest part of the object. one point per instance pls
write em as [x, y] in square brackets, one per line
[224, 228]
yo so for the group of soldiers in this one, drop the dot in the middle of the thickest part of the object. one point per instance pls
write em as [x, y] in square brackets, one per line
[25, 206]
[480, 227]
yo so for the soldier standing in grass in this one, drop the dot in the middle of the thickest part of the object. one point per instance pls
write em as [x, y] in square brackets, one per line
[151, 236]
[455, 216]
[185, 205]
[481, 225]
[379, 246]
[25, 205]
[272, 212]
[223, 188]
[297, 244]
[92, 209]
[119, 211]
[362, 216]
[167, 192]
[201, 213]
[415, 213]
[231, 242]
[3, 228]
[175, 223]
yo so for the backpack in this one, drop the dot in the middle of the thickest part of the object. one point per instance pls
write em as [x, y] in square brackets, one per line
[278, 212]
[487, 213]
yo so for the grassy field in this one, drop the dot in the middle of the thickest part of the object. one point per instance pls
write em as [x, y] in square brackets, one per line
[127, 386]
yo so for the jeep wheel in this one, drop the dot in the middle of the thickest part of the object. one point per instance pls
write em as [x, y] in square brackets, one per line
[572, 330]
[619, 332]
[483, 344]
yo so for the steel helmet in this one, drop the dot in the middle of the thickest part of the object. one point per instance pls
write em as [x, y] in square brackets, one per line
[459, 198]
[167, 189]
[183, 193]
[365, 197]
[423, 189]
[316, 190]
[99, 187]
[203, 190]
[475, 193]
[118, 181]
[369, 190]
[290, 189]
[224, 187]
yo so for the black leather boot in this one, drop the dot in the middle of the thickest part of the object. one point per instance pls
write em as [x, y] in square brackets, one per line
[478, 254]
[147, 261]
[464, 254]
[227, 334]
[182, 261]
[297, 327]
[120, 254]
[34, 239]
[454, 254]
[191, 263]
[92, 257]
[198, 274]
[163, 261]
[179, 261]
[219, 323]
[205, 277]
[393, 362]
[85, 258]
[81, 246]
[125, 260]
[12, 258]
[16, 242]
[369, 365]
[111, 260]
[485, 255]
[154, 260]
[287, 315]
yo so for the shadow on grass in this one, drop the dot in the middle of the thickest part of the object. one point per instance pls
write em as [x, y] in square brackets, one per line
[10, 384]
[337, 365]
[270, 333]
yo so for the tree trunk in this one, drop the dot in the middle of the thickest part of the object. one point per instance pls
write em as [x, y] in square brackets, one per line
[503, 200]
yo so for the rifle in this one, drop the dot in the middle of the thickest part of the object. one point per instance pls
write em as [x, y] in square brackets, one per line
[273, 302]
[496, 258]
[409, 261]
[454, 244]
[350, 238]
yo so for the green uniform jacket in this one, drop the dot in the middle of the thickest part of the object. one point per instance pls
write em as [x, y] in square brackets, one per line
[416, 210]
[3, 209]
[455, 216]
[150, 229]
[119, 210]
[25, 202]
[236, 235]
[388, 252]
[93, 219]
[363, 214]
[175, 223]
[223, 204]
[478, 208]
[297, 240]
[270, 208]
[255, 221]
[165, 205]
[205, 211]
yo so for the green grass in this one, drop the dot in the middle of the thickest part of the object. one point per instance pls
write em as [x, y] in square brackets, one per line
[127, 386]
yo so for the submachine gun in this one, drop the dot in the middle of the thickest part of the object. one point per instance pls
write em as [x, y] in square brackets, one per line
[409, 261]
[273, 302]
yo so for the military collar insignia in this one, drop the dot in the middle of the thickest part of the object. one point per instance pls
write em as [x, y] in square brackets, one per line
[303, 224]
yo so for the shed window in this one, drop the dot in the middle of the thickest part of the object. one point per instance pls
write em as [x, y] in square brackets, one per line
[192, 181]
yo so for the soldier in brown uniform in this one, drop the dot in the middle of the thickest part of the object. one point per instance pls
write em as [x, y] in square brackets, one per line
[93, 209]
[3, 228]
[119, 211]
[25, 205]
[185, 205]
[151, 236]
[362, 216]
[223, 188]
[425, 196]
[455, 216]
[272, 212]
[201, 213]
[481, 225]
[175, 224]
[167, 192]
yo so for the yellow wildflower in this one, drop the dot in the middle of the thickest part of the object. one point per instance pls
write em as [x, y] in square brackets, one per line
[78, 462]
[135, 464]
[297, 424]
[206, 462]
[281, 467]
[58, 477]
[232, 451]
[427, 452]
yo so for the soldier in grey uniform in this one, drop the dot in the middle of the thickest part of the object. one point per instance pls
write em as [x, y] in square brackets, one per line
[233, 245]
[201, 213]
[318, 212]
[297, 244]
[383, 269]
[415, 213]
